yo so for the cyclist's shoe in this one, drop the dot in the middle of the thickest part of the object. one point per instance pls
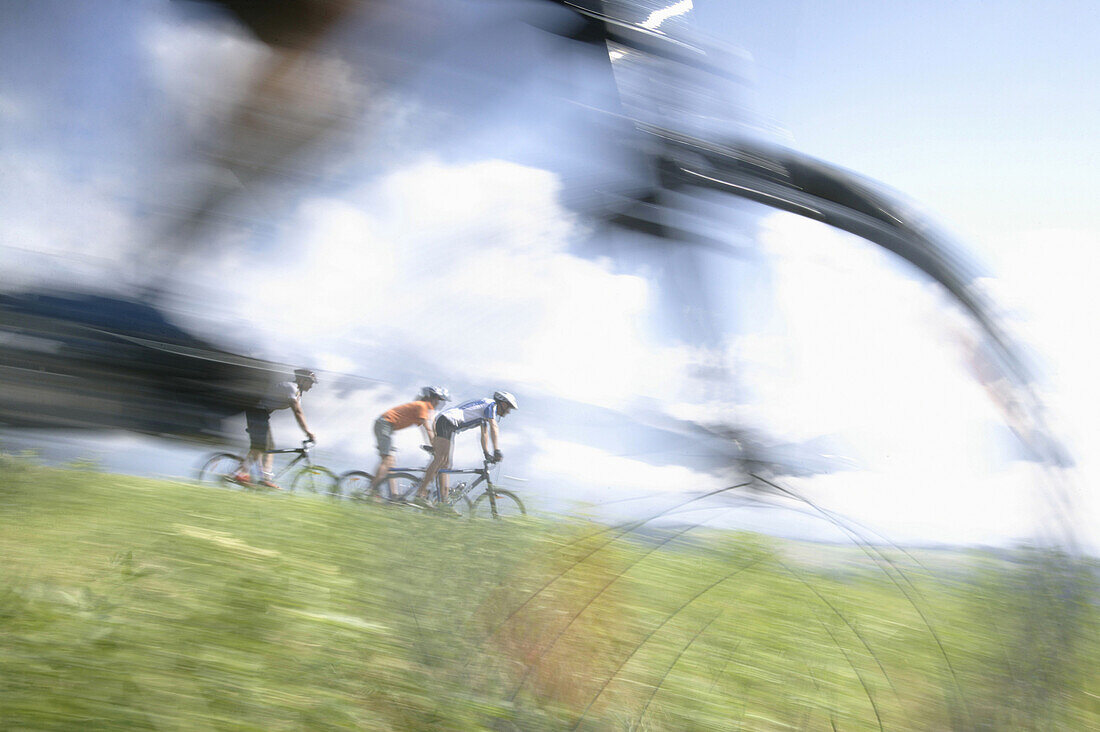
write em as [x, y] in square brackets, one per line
[240, 479]
[270, 485]
[424, 503]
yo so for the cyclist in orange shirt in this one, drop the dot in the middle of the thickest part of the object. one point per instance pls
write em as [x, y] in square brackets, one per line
[417, 412]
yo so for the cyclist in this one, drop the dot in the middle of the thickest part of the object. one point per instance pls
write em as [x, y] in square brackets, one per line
[282, 395]
[406, 415]
[482, 413]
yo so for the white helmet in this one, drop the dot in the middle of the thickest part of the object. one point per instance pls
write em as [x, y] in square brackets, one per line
[435, 391]
[503, 396]
[305, 375]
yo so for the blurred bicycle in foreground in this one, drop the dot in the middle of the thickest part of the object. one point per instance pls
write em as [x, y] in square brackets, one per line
[221, 468]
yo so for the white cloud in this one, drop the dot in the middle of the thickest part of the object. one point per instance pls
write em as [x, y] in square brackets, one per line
[1045, 279]
[852, 346]
[880, 359]
[58, 229]
[863, 350]
[969, 506]
[604, 475]
[334, 362]
[467, 266]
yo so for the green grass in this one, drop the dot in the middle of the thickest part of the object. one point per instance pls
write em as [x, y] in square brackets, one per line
[128, 603]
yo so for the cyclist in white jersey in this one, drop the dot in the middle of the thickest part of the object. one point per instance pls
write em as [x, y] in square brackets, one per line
[482, 413]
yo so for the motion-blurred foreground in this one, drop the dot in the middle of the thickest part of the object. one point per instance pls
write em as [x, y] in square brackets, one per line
[187, 606]
[94, 362]
[576, 201]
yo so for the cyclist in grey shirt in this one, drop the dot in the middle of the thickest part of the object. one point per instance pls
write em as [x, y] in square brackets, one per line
[283, 395]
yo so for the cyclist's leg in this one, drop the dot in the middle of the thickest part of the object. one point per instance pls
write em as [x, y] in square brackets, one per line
[383, 433]
[258, 423]
[385, 465]
[244, 472]
[444, 478]
[262, 444]
[267, 476]
[442, 448]
[441, 455]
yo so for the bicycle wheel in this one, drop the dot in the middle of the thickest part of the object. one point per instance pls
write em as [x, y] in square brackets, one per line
[354, 485]
[463, 507]
[508, 505]
[315, 479]
[219, 468]
[399, 486]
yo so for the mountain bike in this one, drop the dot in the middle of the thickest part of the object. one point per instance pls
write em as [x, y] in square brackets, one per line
[401, 483]
[220, 467]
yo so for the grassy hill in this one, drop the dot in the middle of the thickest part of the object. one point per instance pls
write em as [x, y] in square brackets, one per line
[128, 603]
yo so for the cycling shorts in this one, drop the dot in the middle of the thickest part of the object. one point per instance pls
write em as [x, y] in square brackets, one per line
[383, 434]
[445, 428]
[259, 429]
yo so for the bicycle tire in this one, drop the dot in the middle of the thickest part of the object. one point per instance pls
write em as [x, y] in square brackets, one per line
[402, 486]
[354, 485]
[508, 505]
[219, 468]
[315, 479]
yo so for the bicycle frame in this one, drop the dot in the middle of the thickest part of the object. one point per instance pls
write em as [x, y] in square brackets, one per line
[302, 452]
[464, 490]
[453, 496]
[483, 476]
[482, 473]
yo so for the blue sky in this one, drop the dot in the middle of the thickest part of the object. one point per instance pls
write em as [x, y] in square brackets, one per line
[902, 91]
[455, 181]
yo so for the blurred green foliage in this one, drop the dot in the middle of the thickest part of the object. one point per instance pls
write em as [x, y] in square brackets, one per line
[128, 603]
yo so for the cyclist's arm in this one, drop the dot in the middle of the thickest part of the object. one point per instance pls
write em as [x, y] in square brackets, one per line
[494, 432]
[485, 438]
[296, 407]
[426, 425]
